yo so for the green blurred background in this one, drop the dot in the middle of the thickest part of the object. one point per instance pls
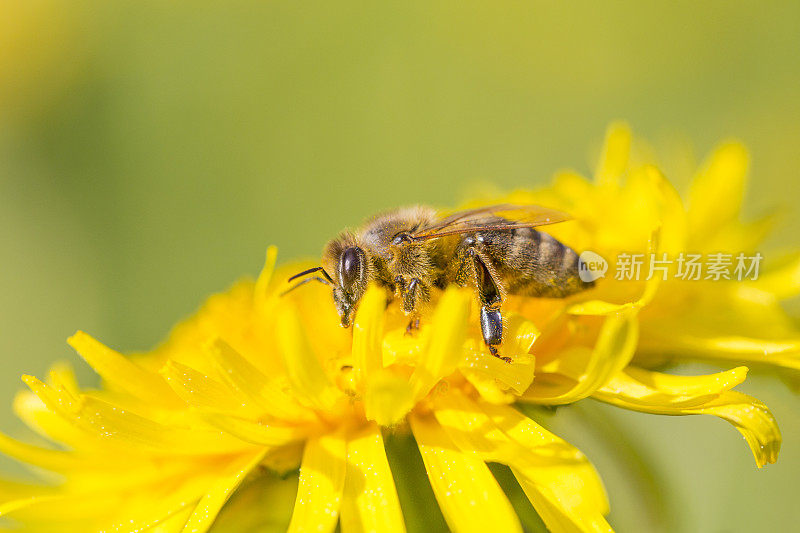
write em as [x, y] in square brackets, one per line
[150, 150]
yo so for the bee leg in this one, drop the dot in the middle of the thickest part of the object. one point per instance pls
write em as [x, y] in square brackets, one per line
[410, 304]
[412, 326]
[493, 351]
[410, 295]
[399, 286]
[492, 330]
[489, 296]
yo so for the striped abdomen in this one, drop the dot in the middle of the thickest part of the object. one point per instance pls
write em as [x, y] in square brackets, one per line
[532, 263]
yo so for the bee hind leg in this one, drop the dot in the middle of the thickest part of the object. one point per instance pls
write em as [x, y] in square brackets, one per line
[493, 351]
[492, 330]
[490, 298]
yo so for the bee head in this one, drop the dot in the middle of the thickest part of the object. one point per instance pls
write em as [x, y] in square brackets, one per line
[351, 271]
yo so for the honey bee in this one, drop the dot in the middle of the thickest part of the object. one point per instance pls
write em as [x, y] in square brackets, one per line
[414, 251]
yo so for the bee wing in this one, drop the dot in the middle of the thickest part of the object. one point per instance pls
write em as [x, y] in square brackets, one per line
[485, 219]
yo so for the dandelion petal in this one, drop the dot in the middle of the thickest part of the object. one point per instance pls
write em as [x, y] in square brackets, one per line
[206, 394]
[587, 371]
[468, 494]
[304, 370]
[208, 507]
[445, 346]
[614, 158]
[370, 500]
[368, 334]
[652, 392]
[715, 197]
[557, 478]
[240, 374]
[123, 373]
[319, 492]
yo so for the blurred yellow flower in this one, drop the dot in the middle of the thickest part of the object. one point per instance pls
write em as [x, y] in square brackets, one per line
[257, 381]
[42, 52]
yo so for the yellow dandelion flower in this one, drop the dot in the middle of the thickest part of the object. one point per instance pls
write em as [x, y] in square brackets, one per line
[731, 317]
[256, 384]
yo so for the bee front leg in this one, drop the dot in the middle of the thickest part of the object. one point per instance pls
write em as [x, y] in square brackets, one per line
[409, 295]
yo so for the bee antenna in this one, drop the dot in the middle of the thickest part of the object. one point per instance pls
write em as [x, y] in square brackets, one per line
[303, 282]
[310, 271]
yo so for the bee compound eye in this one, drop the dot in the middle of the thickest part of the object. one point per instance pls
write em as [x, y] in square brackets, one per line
[350, 266]
[400, 238]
